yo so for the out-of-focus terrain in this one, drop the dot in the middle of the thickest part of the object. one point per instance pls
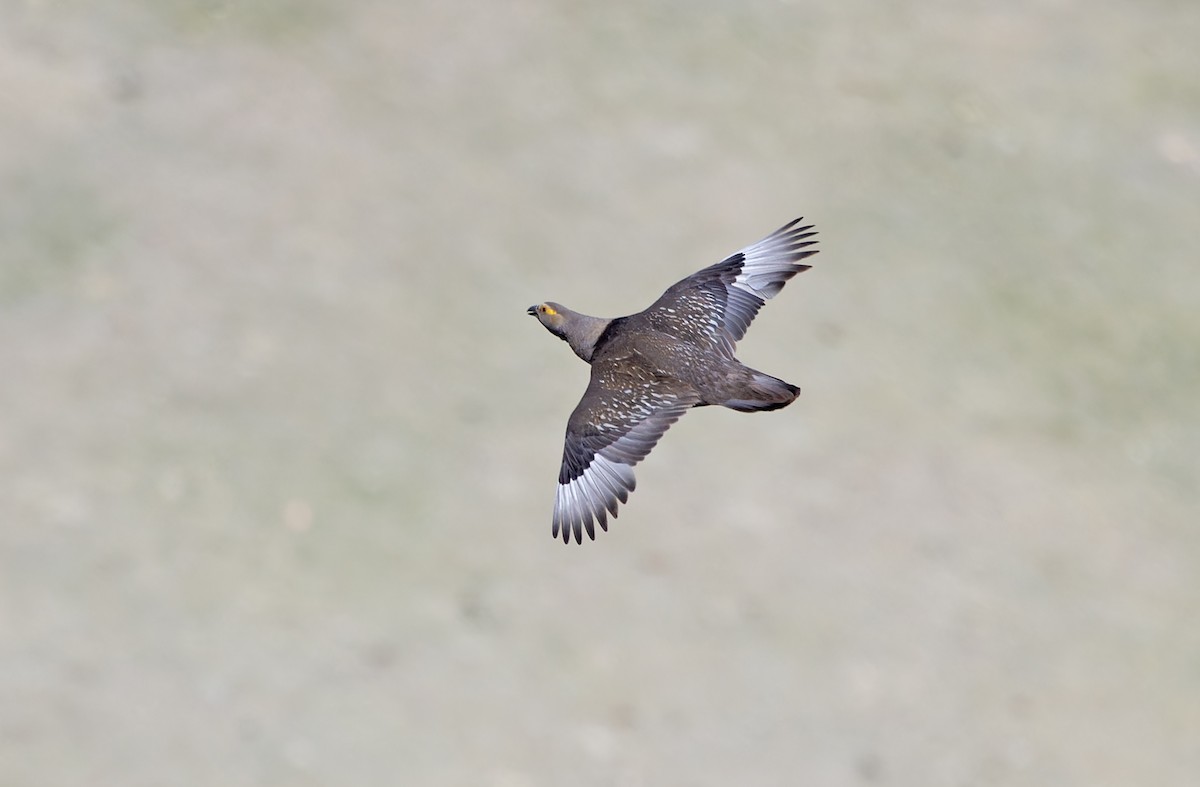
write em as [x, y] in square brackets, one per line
[278, 442]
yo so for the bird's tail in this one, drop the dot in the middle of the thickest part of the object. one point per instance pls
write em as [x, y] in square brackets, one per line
[760, 391]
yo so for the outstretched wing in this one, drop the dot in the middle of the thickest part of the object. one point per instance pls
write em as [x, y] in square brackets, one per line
[622, 415]
[715, 306]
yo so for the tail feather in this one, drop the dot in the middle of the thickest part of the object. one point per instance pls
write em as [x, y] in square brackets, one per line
[762, 392]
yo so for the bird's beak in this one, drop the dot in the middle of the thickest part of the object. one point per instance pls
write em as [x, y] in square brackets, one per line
[532, 310]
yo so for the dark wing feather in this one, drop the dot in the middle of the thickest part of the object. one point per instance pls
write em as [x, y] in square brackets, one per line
[716, 305]
[622, 415]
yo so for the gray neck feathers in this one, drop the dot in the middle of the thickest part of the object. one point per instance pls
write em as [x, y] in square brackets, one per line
[582, 332]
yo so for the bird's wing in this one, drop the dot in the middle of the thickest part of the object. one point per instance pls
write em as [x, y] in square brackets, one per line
[716, 305]
[622, 415]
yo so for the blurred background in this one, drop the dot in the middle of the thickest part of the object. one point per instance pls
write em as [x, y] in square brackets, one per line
[278, 442]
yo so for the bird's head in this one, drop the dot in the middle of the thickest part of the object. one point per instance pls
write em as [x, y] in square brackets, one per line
[578, 330]
[552, 315]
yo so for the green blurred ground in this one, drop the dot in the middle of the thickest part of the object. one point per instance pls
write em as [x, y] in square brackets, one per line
[278, 443]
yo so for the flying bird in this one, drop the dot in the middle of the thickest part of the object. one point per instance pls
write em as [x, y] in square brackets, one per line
[649, 368]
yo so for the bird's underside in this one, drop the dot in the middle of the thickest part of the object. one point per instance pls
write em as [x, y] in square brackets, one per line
[649, 368]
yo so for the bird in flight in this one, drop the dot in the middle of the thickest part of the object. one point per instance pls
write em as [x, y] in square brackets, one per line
[649, 368]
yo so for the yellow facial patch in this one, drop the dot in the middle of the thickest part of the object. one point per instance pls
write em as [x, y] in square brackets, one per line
[547, 310]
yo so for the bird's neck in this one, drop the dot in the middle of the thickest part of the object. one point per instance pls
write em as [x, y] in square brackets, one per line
[585, 332]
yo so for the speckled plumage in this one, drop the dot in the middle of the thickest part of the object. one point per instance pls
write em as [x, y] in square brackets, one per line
[649, 368]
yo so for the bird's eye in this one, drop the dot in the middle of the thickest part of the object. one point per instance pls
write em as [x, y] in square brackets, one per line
[544, 309]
